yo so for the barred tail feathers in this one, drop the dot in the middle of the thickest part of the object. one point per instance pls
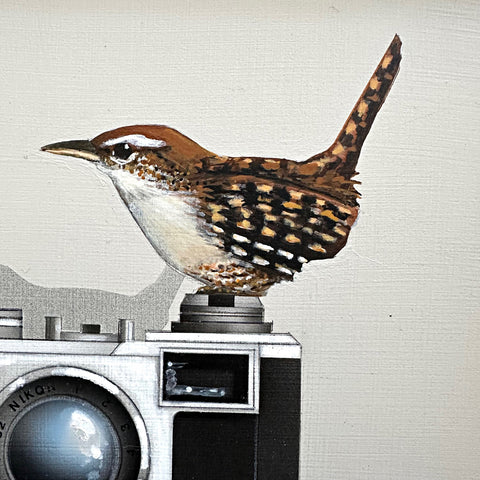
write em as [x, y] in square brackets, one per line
[344, 152]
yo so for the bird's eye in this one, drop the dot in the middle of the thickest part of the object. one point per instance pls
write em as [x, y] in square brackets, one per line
[122, 151]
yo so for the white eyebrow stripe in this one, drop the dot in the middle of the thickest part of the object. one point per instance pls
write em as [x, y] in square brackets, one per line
[137, 140]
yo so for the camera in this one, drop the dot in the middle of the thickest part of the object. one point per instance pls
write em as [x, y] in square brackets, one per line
[217, 397]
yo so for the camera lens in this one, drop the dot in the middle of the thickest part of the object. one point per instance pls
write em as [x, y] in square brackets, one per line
[63, 438]
[67, 427]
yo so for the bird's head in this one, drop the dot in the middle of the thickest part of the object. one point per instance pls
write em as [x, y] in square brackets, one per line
[165, 150]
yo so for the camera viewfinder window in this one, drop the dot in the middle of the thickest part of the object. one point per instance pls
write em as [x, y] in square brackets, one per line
[205, 377]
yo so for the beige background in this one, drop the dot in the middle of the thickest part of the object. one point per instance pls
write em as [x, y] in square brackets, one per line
[391, 326]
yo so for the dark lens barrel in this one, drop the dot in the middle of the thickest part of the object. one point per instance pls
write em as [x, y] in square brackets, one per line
[67, 428]
[64, 438]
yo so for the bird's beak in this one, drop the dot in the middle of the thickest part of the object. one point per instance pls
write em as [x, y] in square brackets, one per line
[74, 148]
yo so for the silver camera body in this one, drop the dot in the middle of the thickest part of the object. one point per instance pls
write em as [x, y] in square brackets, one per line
[193, 403]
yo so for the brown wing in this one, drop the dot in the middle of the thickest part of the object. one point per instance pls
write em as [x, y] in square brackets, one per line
[273, 225]
[280, 214]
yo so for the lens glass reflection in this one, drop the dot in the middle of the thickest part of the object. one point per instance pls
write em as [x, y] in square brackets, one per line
[63, 438]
